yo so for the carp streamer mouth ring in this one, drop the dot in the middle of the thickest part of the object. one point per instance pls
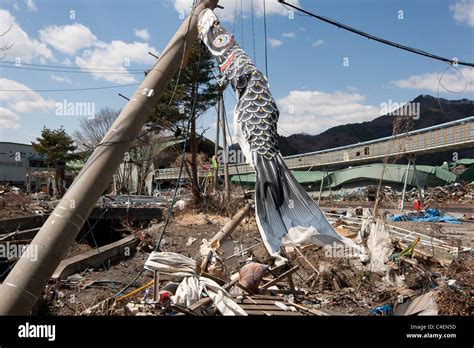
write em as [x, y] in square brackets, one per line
[222, 40]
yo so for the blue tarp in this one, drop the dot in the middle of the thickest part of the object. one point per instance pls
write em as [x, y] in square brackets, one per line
[430, 215]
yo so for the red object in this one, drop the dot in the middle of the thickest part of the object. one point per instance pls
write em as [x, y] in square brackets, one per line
[251, 275]
[417, 205]
[164, 296]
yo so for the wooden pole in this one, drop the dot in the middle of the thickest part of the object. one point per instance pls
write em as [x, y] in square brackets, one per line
[224, 144]
[216, 146]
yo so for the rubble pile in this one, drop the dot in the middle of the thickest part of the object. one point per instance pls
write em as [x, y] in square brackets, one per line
[454, 193]
[197, 274]
[14, 203]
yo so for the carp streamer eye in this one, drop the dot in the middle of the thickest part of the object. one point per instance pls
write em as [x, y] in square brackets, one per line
[221, 41]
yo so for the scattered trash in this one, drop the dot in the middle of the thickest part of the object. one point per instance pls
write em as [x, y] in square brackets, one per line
[421, 305]
[386, 309]
[190, 241]
[430, 215]
[173, 266]
[251, 275]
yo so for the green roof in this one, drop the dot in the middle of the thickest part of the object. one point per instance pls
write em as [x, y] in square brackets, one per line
[301, 176]
[465, 161]
[426, 175]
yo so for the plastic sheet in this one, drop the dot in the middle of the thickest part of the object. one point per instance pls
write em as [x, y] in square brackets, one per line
[430, 215]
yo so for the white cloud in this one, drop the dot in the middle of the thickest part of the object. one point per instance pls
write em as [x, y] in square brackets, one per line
[275, 42]
[317, 43]
[227, 14]
[289, 35]
[99, 55]
[15, 103]
[23, 47]
[116, 55]
[313, 112]
[30, 4]
[25, 101]
[68, 38]
[8, 119]
[59, 78]
[463, 12]
[142, 34]
[451, 80]
[67, 61]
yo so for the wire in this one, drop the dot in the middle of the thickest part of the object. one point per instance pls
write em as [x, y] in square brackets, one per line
[242, 23]
[70, 89]
[178, 181]
[378, 39]
[253, 33]
[69, 67]
[265, 32]
[75, 71]
[235, 18]
[108, 143]
[440, 84]
[183, 157]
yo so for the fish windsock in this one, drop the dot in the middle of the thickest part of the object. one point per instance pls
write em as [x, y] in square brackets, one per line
[281, 204]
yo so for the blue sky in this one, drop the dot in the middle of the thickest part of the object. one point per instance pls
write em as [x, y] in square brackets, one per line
[313, 87]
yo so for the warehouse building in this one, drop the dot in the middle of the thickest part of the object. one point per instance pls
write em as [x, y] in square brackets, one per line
[23, 167]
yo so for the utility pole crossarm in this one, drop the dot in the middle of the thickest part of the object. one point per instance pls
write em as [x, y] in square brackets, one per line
[25, 283]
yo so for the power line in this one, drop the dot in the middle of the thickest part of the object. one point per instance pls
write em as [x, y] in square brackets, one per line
[253, 33]
[379, 39]
[88, 71]
[70, 89]
[265, 32]
[66, 67]
[242, 22]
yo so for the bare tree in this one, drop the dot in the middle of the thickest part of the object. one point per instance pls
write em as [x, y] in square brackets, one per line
[138, 161]
[144, 154]
[92, 131]
[5, 47]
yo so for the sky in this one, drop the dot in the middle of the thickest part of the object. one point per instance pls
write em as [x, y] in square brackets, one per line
[320, 76]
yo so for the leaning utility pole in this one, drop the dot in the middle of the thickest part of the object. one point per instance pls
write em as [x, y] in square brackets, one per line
[25, 283]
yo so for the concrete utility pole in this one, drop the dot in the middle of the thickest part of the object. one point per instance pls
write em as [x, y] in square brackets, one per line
[21, 289]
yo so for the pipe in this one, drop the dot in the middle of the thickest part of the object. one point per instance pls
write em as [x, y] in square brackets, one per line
[25, 283]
